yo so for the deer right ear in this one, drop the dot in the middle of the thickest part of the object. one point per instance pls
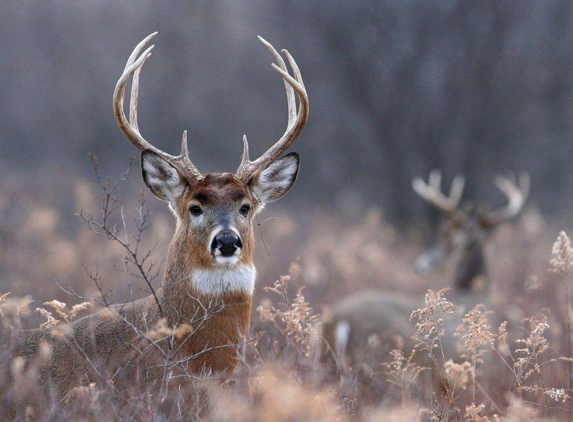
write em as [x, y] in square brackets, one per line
[161, 178]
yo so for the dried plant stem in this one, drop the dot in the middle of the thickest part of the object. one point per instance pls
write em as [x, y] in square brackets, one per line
[284, 292]
[562, 263]
[145, 266]
[570, 363]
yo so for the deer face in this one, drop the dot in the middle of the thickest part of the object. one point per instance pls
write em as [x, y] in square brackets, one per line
[215, 213]
[220, 209]
[457, 241]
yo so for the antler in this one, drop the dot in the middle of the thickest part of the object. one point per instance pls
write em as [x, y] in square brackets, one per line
[296, 121]
[516, 195]
[130, 129]
[432, 193]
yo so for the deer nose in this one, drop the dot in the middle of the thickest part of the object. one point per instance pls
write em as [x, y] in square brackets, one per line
[227, 243]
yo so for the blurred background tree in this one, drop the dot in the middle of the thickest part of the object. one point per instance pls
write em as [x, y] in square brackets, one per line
[396, 88]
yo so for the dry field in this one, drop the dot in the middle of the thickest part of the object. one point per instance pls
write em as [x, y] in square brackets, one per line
[58, 267]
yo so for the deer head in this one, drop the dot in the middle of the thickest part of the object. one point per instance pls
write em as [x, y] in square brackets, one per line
[214, 211]
[462, 236]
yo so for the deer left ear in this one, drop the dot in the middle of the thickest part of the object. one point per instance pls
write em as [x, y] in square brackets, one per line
[274, 181]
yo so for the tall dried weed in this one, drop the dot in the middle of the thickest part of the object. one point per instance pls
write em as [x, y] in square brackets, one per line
[520, 373]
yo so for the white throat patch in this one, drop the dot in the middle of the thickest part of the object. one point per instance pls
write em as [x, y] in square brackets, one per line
[238, 278]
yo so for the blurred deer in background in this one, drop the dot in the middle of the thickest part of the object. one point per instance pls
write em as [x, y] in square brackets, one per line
[464, 233]
[200, 314]
[356, 320]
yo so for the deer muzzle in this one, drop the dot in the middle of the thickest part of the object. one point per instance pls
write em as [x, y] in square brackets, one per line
[430, 259]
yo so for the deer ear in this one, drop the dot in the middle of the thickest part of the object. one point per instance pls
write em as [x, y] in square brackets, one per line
[161, 178]
[274, 181]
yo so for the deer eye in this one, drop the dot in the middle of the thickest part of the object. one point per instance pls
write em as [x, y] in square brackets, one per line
[244, 210]
[195, 210]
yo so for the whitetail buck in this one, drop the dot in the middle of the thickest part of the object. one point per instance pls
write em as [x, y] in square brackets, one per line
[200, 315]
[355, 320]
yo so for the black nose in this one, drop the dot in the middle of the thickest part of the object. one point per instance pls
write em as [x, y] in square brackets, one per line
[227, 243]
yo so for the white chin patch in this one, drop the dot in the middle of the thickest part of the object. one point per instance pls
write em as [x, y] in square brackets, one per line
[227, 279]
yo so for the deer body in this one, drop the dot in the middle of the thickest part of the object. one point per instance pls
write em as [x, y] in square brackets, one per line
[381, 319]
[198, 319]
[356, 319]
[348, 333]
[107, 346]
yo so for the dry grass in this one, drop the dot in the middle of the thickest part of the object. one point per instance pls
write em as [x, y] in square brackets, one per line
[517, 354]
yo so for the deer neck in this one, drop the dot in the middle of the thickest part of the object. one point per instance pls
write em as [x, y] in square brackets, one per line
[470, 273]
[192, 282]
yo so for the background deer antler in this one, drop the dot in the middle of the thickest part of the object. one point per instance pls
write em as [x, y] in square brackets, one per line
[516, 195]
[432, 193]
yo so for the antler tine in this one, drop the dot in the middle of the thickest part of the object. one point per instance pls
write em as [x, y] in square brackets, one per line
[435, 179]
[432, 192]
[134, 97]
[291, 102]
[133, 56]
[130, 129]
[296, 120]
[457, 189]
[118, 96]
[516, 194]
[245, 158]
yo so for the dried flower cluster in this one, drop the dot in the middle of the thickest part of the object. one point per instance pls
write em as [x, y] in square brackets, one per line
[529, 360]
[562, 261]
[402, 371]
[558, 394]
[50, 320]
[61, 309]
[473, 414]
[475, 333]
[161, 331]
[431, 317]
[12, 310]
[2, 300]
[535, 343]
[459, 374]
[68, 314]
[298, 322]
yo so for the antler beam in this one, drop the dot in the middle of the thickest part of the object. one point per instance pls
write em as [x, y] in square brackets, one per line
[296, 120]
[130, 128]
[516, 195]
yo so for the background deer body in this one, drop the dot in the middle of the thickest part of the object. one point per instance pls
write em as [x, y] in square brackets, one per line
[197, 320]
[355, 319]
